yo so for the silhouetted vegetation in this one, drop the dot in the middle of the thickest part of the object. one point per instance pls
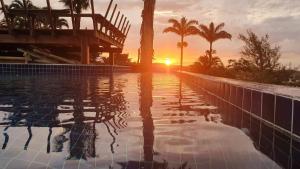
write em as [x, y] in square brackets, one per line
[209, 65]
[21, 22]
[211, 34]
[259, 62]
[78, 7]
[183, 28]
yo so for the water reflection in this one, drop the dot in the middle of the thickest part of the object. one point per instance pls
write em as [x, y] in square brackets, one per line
[279, 146]
[75, 105]
[191, 107]
[132, 121]
[146, 103]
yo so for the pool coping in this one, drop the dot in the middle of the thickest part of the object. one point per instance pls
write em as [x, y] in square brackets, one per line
[279, 90]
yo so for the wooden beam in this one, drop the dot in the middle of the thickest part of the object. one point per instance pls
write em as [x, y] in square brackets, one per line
[32, 54]
[72, 17]
[106, 14]
[110, 20]
[120, 21]
[123, 24]
[12, 58]
[123, 40]
[85, 52]
[61, 59]
[127, 31]
[113, 13]
[38, 40]
[118, 15]
[124, 31]
[93, 16]
[108, 9]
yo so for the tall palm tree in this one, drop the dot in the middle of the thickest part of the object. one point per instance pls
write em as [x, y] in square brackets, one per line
[183, 28]
[147, 34]
[78, 6]
[212, 33]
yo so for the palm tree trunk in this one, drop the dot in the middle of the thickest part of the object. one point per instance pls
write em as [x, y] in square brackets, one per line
[147, 33]
[77, 23]
[210, 54]
[181, 53]
[146, 101]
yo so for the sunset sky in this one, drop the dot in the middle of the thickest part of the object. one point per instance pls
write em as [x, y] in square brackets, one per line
[279, 18]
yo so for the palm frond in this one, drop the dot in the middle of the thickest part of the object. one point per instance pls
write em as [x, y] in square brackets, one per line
[60, 23]
[172, 30]
[219, 27]
[191, 30]
[223, 35]
[204, 28]
[204, 35]
[78, 5]
[175, 23]
[211, 27]
[192, 23]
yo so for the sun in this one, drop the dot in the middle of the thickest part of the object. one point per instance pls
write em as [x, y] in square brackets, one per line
[168, 61]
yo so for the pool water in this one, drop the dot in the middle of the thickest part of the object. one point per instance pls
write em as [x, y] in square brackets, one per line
[119, 121]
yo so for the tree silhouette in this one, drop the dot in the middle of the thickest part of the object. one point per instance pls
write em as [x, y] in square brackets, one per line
[20, 22]
[205, 63]
[78, 6]
[147, 34]
[41, 22]
[183, 28]
[260, 61]
[212, 33]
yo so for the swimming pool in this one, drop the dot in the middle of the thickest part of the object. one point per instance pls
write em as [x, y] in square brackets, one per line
[128, 121]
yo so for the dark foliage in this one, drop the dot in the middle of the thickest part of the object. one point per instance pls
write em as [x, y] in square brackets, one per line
[260, 61]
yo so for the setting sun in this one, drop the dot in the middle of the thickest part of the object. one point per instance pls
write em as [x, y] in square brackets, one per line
[168, 61]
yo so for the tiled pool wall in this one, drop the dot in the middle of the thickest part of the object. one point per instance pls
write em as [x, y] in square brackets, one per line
[278, 111]
[20, 69]
[271, 120]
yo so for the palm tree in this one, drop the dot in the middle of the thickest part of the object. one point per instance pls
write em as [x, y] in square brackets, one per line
[18, 4]
[212, 34]
[147, 34]
[182, 28]
[61, 22]
[78, 6]
[20, 21]
[43, 22]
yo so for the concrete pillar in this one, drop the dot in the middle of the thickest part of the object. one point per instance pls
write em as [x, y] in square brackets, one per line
[85, 52]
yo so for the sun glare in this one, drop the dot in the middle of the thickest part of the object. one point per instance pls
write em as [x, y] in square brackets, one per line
[168, 61]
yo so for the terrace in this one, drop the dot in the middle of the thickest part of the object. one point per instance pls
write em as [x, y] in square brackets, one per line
[108, 33]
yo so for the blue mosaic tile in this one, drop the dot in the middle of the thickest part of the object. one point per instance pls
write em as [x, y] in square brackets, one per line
[283, 113]
[60, 69]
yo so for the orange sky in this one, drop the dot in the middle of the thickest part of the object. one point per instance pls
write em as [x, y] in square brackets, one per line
[279, 18]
